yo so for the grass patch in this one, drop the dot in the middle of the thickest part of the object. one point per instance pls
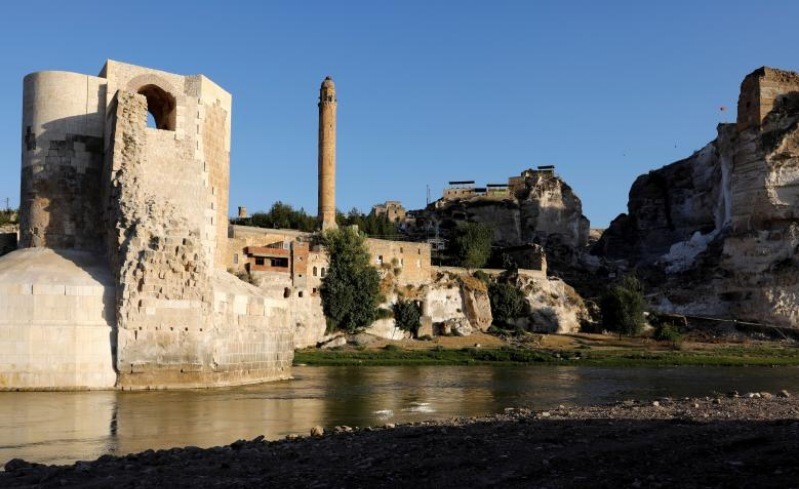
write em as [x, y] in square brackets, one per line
[721, 356]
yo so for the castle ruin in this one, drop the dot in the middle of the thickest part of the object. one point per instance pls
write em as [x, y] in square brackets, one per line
[120, 278]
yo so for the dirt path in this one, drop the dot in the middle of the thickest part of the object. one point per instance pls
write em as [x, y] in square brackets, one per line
[710, 442]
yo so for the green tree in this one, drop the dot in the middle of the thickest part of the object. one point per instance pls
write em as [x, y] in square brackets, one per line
[282, 216]
[351, 289]
[507, 302]
[408, 315]
[623, 307]
[370, 224]
[470, 244]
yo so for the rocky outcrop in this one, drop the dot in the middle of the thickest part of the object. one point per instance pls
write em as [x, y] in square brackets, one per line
[718, 233]
[543, 210]
[457, 299]
[552, 306]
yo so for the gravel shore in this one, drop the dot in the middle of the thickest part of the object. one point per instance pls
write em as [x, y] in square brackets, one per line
[726, 441]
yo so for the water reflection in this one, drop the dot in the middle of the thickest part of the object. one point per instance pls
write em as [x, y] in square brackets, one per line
[64, 427]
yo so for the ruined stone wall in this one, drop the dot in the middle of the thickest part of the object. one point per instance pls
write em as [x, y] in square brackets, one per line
[412, 259]
[62, 158]
[182, 320]
[761, 90]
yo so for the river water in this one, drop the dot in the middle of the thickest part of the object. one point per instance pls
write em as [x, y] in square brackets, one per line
[62, 427]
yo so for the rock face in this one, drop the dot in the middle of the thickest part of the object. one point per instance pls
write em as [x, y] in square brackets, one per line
[719, 230]
[457, 299]
[553, 306]
[543, 210]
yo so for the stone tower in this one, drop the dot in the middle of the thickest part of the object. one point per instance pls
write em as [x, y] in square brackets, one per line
[120, 280]
[327, 154]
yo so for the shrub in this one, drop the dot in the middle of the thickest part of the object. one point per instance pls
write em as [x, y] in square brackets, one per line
[351, 289]
[666, 331]
[623, 307]
[470, 244]
[507, 302]
[482, 276]
[407, 315]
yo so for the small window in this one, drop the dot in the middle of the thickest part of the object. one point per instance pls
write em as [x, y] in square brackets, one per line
[323, 272]
[313, 291]
[259, 261]
[315, 271]
[286, 293]
[299, 294]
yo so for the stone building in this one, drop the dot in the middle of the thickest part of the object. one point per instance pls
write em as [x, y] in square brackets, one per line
[120, 278]
[392, 209]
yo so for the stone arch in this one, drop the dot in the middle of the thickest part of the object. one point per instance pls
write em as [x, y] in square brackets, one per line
[161, 101]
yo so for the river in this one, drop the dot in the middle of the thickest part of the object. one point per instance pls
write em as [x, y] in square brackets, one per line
[62, 427]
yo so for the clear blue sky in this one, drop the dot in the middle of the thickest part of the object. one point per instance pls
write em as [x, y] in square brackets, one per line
[428, 91]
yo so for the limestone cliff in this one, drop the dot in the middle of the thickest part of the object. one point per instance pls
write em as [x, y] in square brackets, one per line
[542, 209]
[718, 233]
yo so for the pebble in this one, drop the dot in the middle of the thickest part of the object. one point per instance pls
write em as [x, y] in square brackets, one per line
[655, 403]
[317, 431]
[783, 393]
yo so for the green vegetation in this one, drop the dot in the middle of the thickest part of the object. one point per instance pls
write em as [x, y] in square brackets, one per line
[281, 216]
[482, 276]
[623, 307]
[666, 331]
[407, 315]
[507, 303]
[470, 244]
[350, 291]
[284, 216]
[369, 224]
[721, 356]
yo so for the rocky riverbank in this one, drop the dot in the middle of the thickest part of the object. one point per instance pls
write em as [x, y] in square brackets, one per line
[720, 441]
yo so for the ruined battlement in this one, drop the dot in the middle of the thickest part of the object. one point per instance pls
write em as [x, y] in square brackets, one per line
[761, 91]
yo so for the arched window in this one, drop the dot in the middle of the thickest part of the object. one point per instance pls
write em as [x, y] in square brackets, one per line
[315, 271]
[161, 107]
[323, 272]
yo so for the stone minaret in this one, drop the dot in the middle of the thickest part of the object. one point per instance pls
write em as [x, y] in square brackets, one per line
[327, 154]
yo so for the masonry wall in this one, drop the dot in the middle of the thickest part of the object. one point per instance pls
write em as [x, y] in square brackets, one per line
[56, 321]
[182, 320]
[761, 90]
[412, 259]
[62, 158]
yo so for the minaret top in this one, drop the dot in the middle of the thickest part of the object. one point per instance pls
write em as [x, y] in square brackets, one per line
[327, 92]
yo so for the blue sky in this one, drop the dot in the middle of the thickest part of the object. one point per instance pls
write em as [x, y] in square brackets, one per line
[428, 91]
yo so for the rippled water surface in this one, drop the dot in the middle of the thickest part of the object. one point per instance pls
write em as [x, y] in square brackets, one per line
[61, 427]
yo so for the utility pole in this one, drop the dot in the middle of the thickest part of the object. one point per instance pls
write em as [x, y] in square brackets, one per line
[428, 195]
